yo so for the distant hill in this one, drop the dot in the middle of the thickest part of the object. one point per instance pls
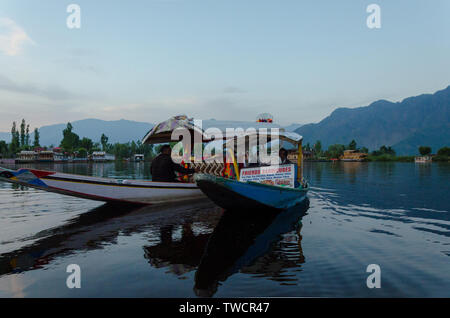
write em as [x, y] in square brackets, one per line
[293, 127]
[117, 131]
[405, 125]
[5, 136]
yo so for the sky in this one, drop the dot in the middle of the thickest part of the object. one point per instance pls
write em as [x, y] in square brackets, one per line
[231, 60]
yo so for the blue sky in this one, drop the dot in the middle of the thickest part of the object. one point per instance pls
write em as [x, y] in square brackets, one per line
[148, 60]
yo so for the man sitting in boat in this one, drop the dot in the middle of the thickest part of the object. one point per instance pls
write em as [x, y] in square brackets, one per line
[163, 168]
[283, 154]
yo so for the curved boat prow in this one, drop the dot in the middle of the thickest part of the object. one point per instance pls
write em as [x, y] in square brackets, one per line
[103, 189]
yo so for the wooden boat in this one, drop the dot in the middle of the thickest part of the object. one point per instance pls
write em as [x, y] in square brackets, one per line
[268, 192]
[103, 189]
[107, 189]
[229, 193]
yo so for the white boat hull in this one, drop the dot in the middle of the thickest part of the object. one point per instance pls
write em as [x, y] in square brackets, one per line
[103, 189]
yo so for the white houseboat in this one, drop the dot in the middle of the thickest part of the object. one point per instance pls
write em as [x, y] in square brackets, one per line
[101, 156]
[26, 156]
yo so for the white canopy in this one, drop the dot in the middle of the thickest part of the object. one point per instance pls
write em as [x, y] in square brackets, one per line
[162, 132]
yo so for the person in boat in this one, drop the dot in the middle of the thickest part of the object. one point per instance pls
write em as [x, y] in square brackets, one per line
[283, 154]
[163, 168]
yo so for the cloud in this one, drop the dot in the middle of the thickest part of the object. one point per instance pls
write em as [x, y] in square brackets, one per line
[233, 90]
[51, 92]
[12, 37]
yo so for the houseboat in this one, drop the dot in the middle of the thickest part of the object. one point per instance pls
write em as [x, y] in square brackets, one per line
[45, 156]
[59, 157]
[423, 159]
[101, 156]
[26, 156]
[353, 155]
[138, 157]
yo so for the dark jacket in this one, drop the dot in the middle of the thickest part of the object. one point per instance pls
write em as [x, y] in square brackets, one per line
[285, 162]
[163, 169]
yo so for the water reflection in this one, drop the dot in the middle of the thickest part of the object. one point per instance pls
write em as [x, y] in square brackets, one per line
[199, 238]
[241, 242]
[78, 234]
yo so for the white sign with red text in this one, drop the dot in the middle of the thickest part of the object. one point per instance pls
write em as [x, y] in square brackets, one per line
[282, 175]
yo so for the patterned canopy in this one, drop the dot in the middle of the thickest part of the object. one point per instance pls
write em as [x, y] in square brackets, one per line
[162, 132]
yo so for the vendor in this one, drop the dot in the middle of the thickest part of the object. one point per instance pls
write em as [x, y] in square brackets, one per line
[283, 153]
[163, 168]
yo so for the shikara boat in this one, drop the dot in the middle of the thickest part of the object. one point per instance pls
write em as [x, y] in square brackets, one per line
[103, 189]
[265, 192]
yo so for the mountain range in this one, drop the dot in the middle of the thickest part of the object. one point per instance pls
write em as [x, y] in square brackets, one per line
[405, 125]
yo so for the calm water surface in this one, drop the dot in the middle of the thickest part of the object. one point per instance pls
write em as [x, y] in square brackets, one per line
[396, 215]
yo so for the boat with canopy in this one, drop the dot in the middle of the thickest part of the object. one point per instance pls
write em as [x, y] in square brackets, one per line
[272, 186]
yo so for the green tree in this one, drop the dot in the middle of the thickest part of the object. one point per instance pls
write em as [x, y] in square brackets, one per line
[364, 150]
[318, 148]
[104, 141]
[87, 144]
[36, 138]
[15, 141]
[27, 136]
[133, 148]
[444, 151]
[335, 151]
[424, 150]
[3, 149]
[82, 152]
[96, 147]
[70, 140]
[22, 133]
[384, 151]
[352, 145]
[307, 147]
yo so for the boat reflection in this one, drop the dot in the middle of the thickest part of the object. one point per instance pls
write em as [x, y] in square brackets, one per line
[77, 234]
[101, 227]
[247, 242]
[200, 237]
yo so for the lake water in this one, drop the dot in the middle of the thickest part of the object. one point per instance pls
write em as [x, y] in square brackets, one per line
[395, 215]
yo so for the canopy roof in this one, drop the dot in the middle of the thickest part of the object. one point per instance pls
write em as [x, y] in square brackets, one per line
[162, 132]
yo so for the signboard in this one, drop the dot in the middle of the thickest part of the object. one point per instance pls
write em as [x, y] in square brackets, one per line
[282, 175]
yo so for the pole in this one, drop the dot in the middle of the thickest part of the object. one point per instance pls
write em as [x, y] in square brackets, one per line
[300, 163]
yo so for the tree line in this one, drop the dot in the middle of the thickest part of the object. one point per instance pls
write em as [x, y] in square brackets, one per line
[384, 153]
[20, 140]
[71, 144]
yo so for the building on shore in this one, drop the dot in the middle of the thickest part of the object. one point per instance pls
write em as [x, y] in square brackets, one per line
[293, 155]
[353, 155]
[423, 159]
